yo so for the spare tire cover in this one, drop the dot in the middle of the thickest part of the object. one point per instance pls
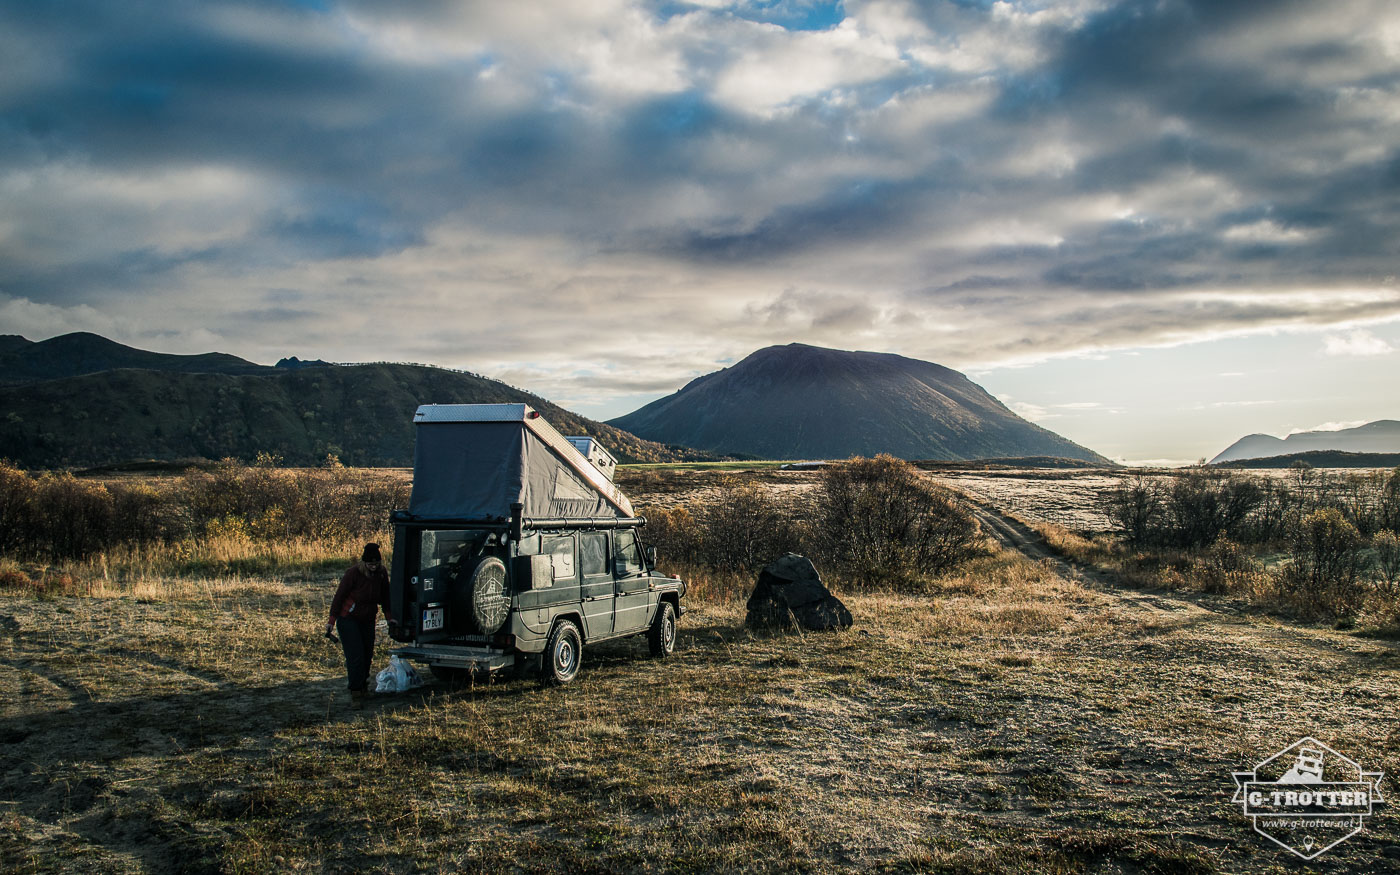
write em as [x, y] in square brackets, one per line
[487, 594]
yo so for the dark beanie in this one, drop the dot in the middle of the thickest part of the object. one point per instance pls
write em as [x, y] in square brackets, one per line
[371, 553]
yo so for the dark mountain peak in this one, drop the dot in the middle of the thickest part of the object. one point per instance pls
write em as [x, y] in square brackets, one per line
[13, 343]
[82, 352]
[797, 401]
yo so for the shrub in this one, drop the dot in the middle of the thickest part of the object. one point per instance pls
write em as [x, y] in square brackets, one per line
[1206, 505]
[1225, 567]
[1135, 507]
[1388, 503]
[739, 530]
[17, 491]
[1327, 561]
[57, 516]
[744, 528]
[1387, 547]
[881, 522]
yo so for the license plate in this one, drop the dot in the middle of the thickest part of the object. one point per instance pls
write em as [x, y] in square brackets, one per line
[432, 619]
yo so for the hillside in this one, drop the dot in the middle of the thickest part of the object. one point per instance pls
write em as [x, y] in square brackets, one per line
[806, 402]
[72, 355]
[1381, 436]
[1319, 459]
[361, 413]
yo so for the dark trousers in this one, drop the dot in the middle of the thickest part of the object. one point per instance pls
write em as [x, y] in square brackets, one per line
[357, 637]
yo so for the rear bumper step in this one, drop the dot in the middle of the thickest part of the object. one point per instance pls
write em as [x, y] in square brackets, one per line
[457, 657]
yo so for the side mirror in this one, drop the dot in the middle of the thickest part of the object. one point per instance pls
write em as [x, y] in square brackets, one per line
[651, 557]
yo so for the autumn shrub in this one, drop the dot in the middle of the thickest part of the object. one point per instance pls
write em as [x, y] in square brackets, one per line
[54, 517]
[1327, 561]
[739, 529]
[1224, 567]
[675, 533]
[881, 523]
[1386, 545]
[279, 503]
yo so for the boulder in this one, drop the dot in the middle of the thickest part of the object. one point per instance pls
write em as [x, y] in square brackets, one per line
[790, 591]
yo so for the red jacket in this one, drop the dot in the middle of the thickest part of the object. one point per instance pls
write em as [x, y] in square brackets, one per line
[361, 593]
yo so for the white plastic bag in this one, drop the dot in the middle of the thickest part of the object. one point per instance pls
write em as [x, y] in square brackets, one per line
[397, 678]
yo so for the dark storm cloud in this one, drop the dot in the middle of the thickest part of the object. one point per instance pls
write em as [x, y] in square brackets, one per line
[549, 170]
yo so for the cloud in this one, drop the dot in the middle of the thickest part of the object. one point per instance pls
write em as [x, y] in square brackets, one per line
[1356, 342]
[604, 199]
[1331, 426]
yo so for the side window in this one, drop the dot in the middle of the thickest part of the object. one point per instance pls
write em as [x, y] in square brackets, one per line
[628, 556]
[561, 556]
[593, 553]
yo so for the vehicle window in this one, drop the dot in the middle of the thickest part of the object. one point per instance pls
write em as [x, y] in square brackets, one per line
[448, 547]
[628, 553]
[593, 553]
[561, 556]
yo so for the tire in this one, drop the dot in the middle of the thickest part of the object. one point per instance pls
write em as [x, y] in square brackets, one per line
[661, 637]
[486, 593]
[563, 654]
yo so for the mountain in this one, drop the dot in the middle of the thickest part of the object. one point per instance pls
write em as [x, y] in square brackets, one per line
[806, 402]
[1381, 436]
[1320, 459]
[215, 405]
[71, 355]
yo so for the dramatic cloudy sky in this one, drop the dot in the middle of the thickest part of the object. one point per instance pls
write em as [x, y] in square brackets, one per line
[1151, 226]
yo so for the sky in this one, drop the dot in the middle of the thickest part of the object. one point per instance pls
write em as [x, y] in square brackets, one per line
[1153, 227]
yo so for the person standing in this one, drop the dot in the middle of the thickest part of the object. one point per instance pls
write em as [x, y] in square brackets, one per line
[363, 588]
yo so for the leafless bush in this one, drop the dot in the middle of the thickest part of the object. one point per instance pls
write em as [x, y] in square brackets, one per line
[880, 522]
[740, 530]
[1136, 508]
[1206, 505]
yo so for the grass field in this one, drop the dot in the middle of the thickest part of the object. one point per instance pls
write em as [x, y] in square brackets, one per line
[1020, 716]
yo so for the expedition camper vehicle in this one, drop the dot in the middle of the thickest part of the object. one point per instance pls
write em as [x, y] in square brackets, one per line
[517, 549]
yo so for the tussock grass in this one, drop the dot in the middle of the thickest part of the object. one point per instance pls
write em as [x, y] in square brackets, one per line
[1004, 720]
[169, 712]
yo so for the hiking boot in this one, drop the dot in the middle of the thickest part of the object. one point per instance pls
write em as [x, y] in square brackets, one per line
[358, 699]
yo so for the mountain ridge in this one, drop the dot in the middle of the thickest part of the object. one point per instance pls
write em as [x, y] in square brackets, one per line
[798, 401]
[216, 405]
[1378, 436]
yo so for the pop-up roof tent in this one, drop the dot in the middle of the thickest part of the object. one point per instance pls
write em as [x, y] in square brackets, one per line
[473, 461]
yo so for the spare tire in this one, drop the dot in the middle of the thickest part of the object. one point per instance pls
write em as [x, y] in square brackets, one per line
[486, 594]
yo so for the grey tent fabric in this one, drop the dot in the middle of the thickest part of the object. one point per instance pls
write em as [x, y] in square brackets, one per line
[476, 470]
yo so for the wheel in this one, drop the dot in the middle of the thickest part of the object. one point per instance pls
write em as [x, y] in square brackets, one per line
[563, 653]
[486, 593]
[661, 637]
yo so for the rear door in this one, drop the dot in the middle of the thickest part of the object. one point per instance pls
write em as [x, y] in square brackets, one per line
[597, 584]
[634, 596]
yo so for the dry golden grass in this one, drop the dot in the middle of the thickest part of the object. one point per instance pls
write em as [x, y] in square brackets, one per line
[179, 711]
[1007, 720]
